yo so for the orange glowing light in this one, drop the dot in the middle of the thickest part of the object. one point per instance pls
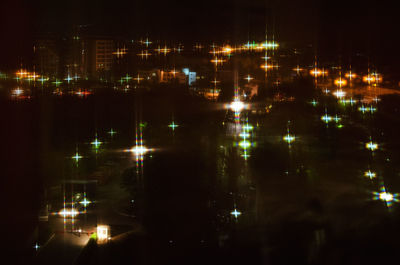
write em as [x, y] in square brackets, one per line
[340, 82]
[217, 61]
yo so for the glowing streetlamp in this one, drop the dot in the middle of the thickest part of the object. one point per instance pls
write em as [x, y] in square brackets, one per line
[173, 125]
[385, 196]
[112, 132]
[370, 174]
[237, 106]
[289, 138]
[371, 146]
[65, 212]
[77, 157]
[236, 213]
[248, 78]
[96, 143]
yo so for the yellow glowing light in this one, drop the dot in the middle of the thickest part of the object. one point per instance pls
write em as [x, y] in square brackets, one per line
[144, 54]
[370, 174]
[164, 50]
[386, 196]
[22, 73]
[138, 78]
[120, 52]
[371, 146]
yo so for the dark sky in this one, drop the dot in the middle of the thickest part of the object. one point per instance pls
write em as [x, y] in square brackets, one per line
[334, 27]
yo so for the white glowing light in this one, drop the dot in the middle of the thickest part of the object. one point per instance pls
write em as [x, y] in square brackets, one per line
[244, 135]
[236, 213]
[237, 106]
[17, 92]
[139, 150]
[85, 202]
[339, 93]
[102, 232]
[386, 196]
[65, 212]
[289, 138]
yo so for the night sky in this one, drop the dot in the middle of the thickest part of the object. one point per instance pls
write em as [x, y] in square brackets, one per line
[334, 28]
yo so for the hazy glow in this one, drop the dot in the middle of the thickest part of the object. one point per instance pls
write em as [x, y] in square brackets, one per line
[102, 232]
[340, 82]
[139, 150]
[339, 93]
[237, 106]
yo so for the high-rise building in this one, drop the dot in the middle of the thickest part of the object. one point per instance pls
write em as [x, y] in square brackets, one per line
[104, 54]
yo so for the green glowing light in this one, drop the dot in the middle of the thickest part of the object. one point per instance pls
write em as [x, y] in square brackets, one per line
[112, 132]
[173, 125]
[247, 127]
[57, 82]
[314, 102]
[244, 144]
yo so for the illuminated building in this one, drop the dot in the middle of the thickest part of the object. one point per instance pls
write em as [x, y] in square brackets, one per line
[104, 49]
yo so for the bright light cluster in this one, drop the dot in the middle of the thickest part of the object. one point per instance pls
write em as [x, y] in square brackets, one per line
[371, 146]
[237, 106]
